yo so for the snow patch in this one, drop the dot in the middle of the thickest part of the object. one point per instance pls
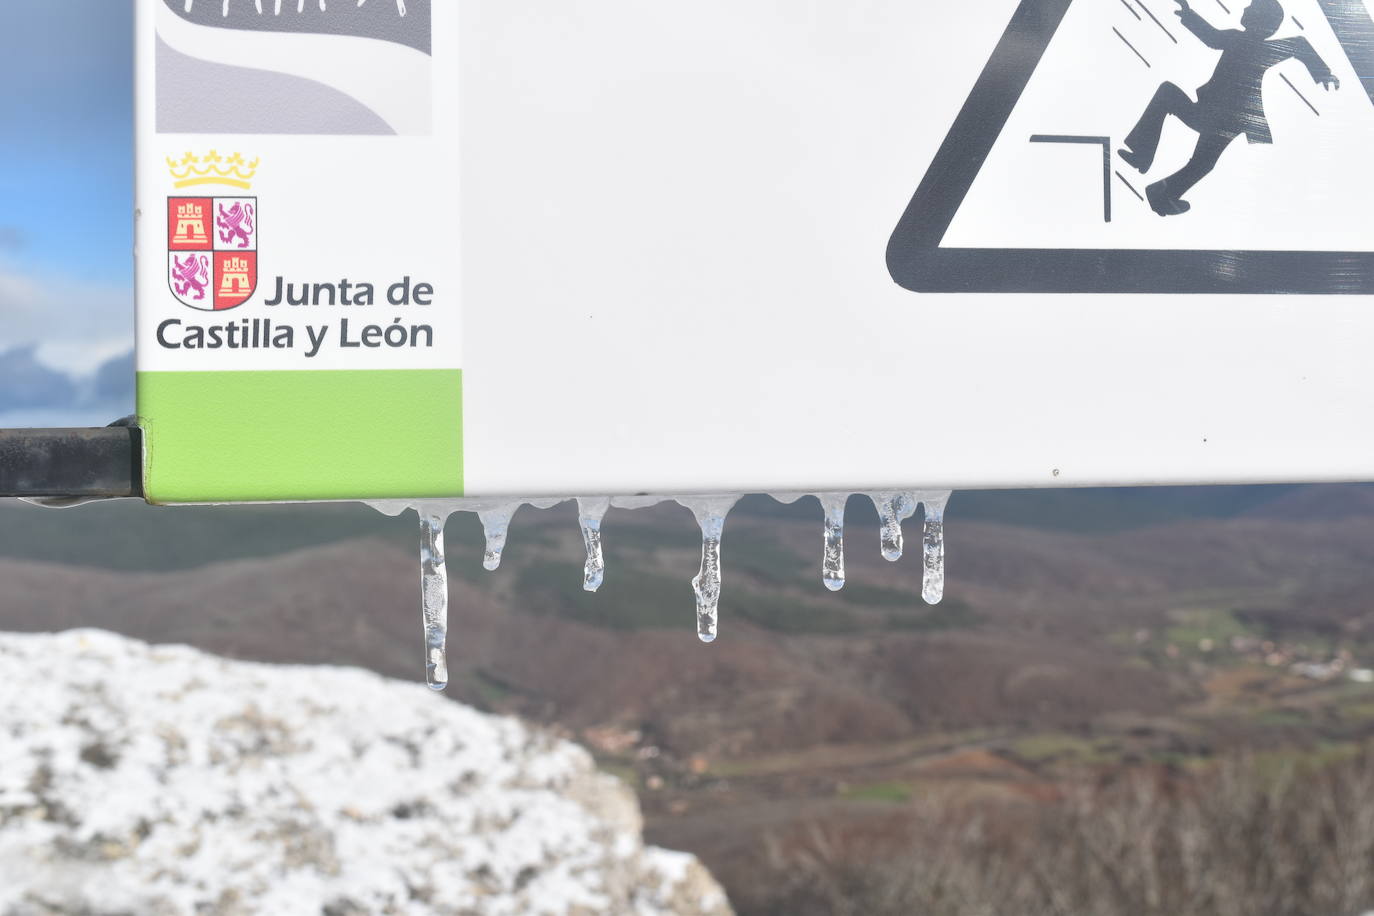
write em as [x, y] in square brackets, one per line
[157, 780]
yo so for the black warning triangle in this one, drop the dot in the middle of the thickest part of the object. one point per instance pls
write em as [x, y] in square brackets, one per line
[918, 263]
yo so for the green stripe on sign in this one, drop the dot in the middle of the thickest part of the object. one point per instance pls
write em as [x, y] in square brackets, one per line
[288, 436]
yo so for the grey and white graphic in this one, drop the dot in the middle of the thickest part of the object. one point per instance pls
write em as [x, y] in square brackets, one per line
[405, 22]
[1099, 152]
[294, 67]
[1230, 105]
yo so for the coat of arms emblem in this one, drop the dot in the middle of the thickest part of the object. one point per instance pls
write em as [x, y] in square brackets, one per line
[212, 250]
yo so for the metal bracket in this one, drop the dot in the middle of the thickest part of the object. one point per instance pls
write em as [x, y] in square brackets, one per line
[65, 466]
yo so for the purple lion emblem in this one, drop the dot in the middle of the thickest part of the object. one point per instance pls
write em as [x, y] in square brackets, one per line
[236, 223]
[191, 276]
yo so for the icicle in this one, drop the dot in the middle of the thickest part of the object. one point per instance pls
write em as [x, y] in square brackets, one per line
[933, 546]
[710, 513]
[590, 513]
[893, 509]
[832, 562]
[707, 581]
[434, 597]
[495, 524]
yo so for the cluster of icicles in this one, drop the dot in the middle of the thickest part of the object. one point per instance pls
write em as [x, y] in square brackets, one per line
[894, 508]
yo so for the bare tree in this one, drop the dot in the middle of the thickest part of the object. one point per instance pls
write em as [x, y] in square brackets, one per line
[1249, 838]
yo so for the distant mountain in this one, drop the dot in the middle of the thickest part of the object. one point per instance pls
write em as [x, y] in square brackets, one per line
[1333, 501]
[183, 537]
[141, 779]
[114, 380]
[1034, 626]
[1086, 510]
[27, 383]
[33, 393]
[1128, 632]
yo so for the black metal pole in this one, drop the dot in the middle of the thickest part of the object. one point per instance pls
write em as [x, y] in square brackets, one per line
[75, 464]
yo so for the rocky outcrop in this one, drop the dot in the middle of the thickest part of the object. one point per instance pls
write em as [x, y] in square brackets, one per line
[161, 780]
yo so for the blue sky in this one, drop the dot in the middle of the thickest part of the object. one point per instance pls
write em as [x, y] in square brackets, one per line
[66, 185]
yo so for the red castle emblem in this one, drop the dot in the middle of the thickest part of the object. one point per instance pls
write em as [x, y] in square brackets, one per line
[212, 250]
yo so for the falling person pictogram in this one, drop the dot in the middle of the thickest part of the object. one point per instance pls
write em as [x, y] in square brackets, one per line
[1230, 104]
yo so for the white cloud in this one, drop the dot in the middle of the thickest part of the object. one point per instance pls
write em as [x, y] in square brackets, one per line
[76, 326]
[82, 357]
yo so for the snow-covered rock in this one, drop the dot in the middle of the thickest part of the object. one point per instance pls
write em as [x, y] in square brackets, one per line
[161, 780]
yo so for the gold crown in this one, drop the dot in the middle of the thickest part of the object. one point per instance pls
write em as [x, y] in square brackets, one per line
[212, 168]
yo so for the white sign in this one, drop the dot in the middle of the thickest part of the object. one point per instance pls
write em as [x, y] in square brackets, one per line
[614, 247]
[1094, 120]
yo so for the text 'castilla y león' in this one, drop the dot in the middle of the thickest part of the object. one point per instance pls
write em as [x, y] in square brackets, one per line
[283, 334]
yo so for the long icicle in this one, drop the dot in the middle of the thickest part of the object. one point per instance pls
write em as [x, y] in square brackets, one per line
[933, 546]
[590, 513]
[710, 513]
[706, 584]
[434, 597]
[832, 561]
